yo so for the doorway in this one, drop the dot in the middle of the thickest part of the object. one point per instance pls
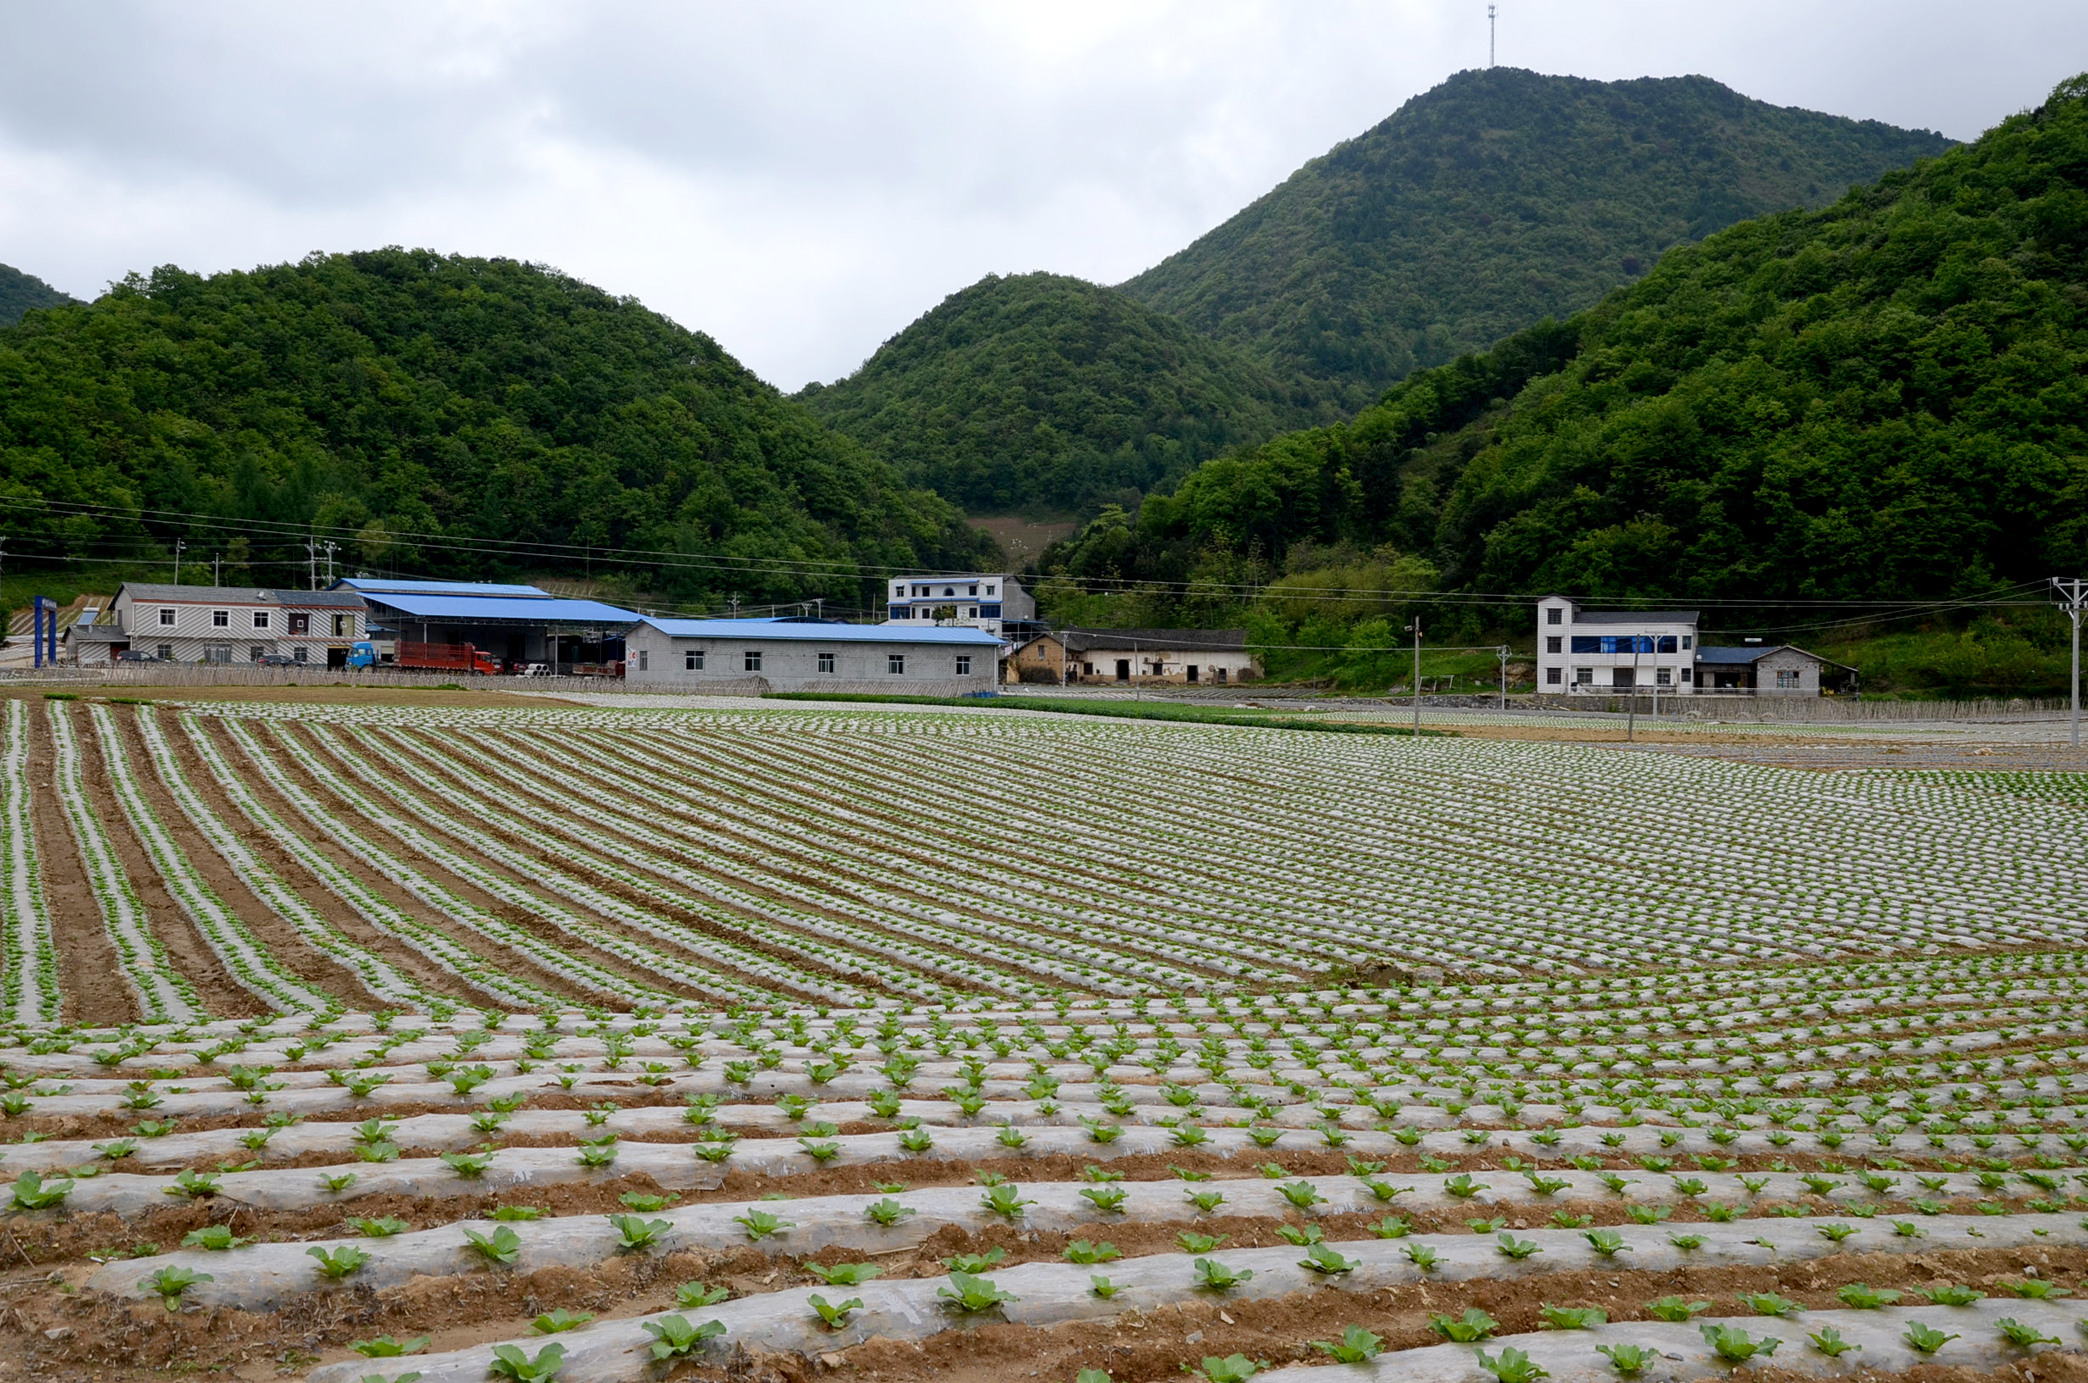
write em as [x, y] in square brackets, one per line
[1123, 669]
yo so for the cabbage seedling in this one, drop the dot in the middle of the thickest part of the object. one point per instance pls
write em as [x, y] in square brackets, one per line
[336, 1264]
[1513, 1366]
[559, 1321]
[1925, 1339]
[834, 1316]
[1472, 1326]
[1356, 1346]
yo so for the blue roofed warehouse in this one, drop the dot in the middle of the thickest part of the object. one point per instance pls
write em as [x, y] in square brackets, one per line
[515, 625]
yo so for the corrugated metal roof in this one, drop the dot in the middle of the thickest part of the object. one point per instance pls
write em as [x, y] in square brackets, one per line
[1634, 617]
[817, 630]
[371, 584]
[498, 609]
[241, 595]
[1733, 656]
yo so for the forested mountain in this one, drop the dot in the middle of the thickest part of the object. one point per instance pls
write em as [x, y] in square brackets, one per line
[1493, 201]
[414, 403]
[1883, 399]
[20, 292]
[1044, 393]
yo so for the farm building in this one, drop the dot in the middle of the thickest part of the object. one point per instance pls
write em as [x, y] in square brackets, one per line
[751, 656]
[1775, 670]
[1604, 651]
[992, 601]
[222, 624]
[514, 625]
[1185, 656]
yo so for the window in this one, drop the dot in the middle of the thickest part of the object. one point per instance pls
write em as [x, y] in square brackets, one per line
[1553, 615]
[989, 612]
[255, 652]
[220, 619]
[1087, 669]
[166, 617]
[298, 653]
[301, 623]
[964, 665]
[166, 652]
[1623, 643]
[971, 612]
[1686, 641]
[895, 664]
[1584, 677]
[260, 619]
[989, 590]
[692, 661]
[949, 590]
[826, 662]
[645, 660]
[1554, 643]
[974, 590]
[340, 625]
[1662, 678]
[1553, 675]
[1219, 674]
[1685, 677]
[1788, 679]
[218, 653]
[752, 660]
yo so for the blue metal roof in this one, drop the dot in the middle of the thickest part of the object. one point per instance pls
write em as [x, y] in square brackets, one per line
[820, 630]
[370, 585]
[1735, 656]
[490, 609]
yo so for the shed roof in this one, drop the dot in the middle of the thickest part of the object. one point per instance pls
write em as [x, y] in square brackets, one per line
[241, 595]
[376, 584]
[822, 631]
[482, 609]
[1729, 656]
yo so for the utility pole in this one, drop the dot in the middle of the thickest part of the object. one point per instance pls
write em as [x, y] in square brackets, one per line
[2073, 598]
[217, 569]
[1489, 35]
[1631, 701]
[1415, 630]
[1502, 654]
[311, 565]
[179, 548]
[330, 547]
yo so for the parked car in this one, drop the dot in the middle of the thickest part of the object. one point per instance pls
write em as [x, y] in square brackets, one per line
[276, 660]
[137, 655]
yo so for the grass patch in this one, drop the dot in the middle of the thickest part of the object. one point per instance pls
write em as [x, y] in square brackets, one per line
[1118, 710]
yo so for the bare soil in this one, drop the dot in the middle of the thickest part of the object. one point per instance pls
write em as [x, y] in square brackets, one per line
[90, 977]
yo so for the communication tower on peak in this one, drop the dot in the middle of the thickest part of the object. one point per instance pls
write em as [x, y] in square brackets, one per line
[1489, 35]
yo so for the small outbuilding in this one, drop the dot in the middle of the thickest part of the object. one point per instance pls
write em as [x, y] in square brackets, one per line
[1772, 670]
[1214, 657]
[747, 657]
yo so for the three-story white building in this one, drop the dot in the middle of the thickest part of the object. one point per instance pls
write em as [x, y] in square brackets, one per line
[981, 600]
[1605, 651]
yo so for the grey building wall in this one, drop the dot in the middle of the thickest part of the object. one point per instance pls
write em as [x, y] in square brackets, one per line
[657, 660]
[1787, 660]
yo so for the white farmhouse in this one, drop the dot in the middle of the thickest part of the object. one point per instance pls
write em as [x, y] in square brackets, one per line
[985, 600]
[229, 624]
[1604, 651]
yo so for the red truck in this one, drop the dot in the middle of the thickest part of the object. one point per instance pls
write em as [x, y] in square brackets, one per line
[456, 657]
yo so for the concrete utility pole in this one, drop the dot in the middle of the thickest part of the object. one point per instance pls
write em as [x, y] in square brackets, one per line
[330, 547]
[1415, 630]
[1502, 654]
[179, 548]
[1631, 701]
[1489, 35]
[2073, 598]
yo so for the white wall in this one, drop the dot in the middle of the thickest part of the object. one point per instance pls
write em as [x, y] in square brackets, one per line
[652, 658]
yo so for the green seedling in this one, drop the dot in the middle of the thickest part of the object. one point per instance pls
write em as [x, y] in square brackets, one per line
[1004, 1200]
[1082, 1252]
[834, 1315]
[1735, 1345]
[467, 1164]
[887, 1212]
[975, 1263]
[1192, 1242]
[2023, 1336]
[336, 1182]
[643, 1204]
[385, 1347]
[1516, 1248]
[1463, 1187]
[517, 1214]
[214, 1238]
[1356, 1346]
[1218, 1277]
[1513, 1366]
[2036, 1289]
[1472, 1326]
[844, 1274]
[1565, 1220]
[971, 1294]
[381, 1227]
[1391, 1227]
[1686, 1242]
[1233, 1368]
[1606, 1242]
[193, 1185]
[1301, 1235]
[1102, 1286]
[760, 1224]
[502, 1246]
[1836, 1233]
[1925, 1339]
[1321, 1259]
[1830, 1343]
[1950, 1295]
[635, 1233]
[1865, 1297]
[336, 1264]
[513, 1362]
[1769, 1303]
[1303, 1195]
[1421, 1256]
[1675, 1308]
[1205, 1201]
[1573, 1317]
[32, 1192]
[559, 1321]
[169, 1283]
[1546, 1186]
[1628, 1360]
[1105, 1198]
[693, 1296]
[116, 1151]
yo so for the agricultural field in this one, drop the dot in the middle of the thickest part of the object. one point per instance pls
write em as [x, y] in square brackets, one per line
[356, 1042]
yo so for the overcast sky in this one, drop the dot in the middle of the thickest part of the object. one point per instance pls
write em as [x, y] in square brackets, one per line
[802, 180]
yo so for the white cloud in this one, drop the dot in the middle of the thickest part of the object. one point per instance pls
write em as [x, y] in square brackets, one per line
[801, 180]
